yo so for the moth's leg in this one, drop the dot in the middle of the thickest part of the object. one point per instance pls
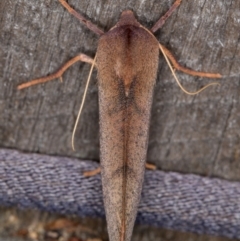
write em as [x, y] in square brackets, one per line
[88, 23]
[150, 166]
[59, 73]
[97, 170]
[187, 70]
[163, 19]
[92, 173]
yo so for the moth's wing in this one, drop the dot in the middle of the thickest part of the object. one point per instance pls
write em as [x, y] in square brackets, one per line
[127, 60]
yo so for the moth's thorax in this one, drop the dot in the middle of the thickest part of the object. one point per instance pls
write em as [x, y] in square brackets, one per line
[127, 48]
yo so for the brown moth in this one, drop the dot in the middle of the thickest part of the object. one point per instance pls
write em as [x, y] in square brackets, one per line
[127, 63]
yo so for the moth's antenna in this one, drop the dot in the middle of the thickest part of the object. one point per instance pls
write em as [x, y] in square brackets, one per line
[82, 103]
[173, 72]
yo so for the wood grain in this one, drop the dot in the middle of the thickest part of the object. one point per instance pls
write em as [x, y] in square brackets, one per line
[187, 134]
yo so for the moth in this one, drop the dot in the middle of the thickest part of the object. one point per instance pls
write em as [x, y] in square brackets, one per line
[127, 64]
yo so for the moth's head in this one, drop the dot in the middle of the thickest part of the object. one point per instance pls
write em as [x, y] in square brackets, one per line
[127, 18]
[127, 12]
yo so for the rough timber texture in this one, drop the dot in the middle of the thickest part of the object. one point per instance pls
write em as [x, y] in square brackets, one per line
[196, 134]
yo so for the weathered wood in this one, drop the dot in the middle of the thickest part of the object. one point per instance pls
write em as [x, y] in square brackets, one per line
[188, 134]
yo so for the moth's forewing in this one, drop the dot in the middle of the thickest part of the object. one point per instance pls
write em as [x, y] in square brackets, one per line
[127, 61]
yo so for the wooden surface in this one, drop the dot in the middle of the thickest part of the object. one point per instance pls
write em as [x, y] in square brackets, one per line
[192, 134]
[197, 134]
